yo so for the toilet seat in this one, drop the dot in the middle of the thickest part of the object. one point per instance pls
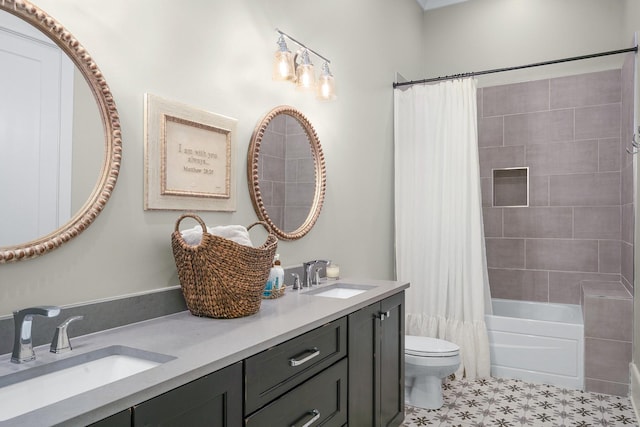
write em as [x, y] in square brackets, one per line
[429, 347]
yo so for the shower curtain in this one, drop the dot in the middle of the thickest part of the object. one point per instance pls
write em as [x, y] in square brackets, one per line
[438, 218]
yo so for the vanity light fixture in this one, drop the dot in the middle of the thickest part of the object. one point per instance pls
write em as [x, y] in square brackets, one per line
[299, 69]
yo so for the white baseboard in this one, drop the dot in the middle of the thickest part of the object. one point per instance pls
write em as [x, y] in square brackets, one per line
[635, 389]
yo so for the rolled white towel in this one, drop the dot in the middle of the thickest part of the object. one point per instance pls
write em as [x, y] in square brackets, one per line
[236, 233]
[192, 236]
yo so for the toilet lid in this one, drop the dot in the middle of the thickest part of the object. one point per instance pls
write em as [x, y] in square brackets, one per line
[426, 346]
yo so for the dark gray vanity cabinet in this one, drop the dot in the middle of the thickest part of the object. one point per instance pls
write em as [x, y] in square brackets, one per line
[376, 364]
[213, 400]
[121, 419]
[347, 372]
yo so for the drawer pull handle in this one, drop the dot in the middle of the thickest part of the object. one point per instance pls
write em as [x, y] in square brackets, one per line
[384, 314]
[295, 361]
[315, 417]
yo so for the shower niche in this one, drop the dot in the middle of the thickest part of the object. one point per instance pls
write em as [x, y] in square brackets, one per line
[510, 187]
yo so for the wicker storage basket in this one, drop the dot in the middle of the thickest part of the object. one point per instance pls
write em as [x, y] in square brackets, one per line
[219, 277]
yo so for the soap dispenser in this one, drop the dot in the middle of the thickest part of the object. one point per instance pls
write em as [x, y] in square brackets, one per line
[279, 273]
[276, 278]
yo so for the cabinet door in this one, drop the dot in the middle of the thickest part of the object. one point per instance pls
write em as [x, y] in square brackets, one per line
[376, 364]
[392, 361]
[363, 380]
[121, 419]
[213, 400]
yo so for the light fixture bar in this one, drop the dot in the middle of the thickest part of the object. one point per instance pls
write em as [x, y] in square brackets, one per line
[302, 45]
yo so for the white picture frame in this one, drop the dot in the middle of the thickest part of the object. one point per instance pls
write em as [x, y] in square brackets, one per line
[189, 157]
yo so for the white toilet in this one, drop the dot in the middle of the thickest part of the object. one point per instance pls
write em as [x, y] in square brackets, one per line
[427, 362]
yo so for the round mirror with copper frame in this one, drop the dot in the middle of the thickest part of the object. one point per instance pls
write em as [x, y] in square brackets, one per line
[110, 140]
[286, 172]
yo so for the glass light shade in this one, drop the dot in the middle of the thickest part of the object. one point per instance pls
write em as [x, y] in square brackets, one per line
[305, 74]
[326, 88]
[305, 77]
[283, 66]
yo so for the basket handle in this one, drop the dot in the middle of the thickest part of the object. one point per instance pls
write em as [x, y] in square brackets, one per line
[264, 224]
[194, 216]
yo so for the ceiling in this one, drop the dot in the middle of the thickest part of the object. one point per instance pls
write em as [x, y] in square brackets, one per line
[434, 4]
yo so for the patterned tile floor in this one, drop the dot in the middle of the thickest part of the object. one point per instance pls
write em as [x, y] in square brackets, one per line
[498, 402]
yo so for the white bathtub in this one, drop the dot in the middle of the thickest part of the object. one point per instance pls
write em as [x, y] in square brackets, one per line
[537, 342]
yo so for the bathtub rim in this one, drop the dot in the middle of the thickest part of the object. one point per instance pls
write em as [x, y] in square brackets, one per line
[576, 309]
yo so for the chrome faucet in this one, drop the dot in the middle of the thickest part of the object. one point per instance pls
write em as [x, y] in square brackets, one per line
[60, 342]
[307, 266]
[296, 282]
[317, 275]
[22, 319]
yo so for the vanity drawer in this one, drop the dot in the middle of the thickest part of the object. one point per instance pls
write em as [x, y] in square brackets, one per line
[323, 398]
[277, 370]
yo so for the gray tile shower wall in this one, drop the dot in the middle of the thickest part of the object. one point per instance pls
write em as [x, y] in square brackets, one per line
[571, 133]
[608, 331]
[626, 165]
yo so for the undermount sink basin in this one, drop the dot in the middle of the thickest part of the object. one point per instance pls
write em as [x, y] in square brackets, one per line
[43, 385]
[340, 290]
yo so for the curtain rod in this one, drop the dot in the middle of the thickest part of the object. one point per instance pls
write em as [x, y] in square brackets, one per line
[500, 70]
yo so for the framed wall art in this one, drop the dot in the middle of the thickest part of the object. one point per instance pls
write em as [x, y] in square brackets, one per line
[189, 158]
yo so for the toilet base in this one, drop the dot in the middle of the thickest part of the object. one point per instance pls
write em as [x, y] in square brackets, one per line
[425, 393]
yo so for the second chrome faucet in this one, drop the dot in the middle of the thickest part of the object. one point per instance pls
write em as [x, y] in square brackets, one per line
[312, 277]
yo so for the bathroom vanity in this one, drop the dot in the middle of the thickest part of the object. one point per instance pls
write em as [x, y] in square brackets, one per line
[304, 359]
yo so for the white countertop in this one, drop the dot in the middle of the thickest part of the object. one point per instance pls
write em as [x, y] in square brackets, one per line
[200, 345]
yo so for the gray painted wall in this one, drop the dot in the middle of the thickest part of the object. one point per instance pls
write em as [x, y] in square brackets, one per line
[487, 34]
[216, 55]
